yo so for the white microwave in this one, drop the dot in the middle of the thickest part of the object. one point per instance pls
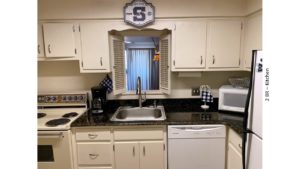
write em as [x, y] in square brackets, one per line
[232, 99]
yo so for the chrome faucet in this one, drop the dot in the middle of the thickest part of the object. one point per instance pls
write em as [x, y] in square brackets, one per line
[139, 91]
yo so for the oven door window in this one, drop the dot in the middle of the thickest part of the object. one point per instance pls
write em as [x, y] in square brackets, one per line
[45, 153]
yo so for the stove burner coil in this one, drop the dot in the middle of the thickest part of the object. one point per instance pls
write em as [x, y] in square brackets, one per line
[56, 122]
[40, 115]
[71, 114]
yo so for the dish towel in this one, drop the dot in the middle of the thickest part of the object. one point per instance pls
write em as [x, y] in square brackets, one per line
[107, 83]
[206, 95]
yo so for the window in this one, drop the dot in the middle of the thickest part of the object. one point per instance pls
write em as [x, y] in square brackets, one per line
[140, 53]
[140, 60]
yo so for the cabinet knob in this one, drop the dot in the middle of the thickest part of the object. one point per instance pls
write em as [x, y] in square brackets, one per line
[49, 48]
[133, 151]
[92, 136]
[93, 156]
[201, 60]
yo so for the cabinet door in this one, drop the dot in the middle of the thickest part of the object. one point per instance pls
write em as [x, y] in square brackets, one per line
[223, 43]
[59, 39]
[190, 45]
[152, 155]
[40, 47]
[253, 37]
[126, 155]
[234, 158]
[95, 47]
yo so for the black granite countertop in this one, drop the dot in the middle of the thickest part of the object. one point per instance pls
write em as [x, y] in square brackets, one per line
[233, 120]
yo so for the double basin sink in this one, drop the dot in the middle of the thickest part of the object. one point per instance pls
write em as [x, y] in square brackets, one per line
[131, 114]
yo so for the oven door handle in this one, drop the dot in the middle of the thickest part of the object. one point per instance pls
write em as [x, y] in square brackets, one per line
[51, 135]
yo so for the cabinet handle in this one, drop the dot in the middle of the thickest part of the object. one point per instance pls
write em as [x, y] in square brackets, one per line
[39, 51]
[101, 61]
[49, 48]
[92, 136]
[201, 60]
[93, 156]
[144, 150]
[133, 151]
[174, 62]
[240, 146]
[213, 59]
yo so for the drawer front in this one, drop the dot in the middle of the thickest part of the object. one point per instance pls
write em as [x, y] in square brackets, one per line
[92, 134]
[235, 140]
[94, 153]
[149, 134]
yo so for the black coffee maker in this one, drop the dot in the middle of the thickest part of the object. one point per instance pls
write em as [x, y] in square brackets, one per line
[98, 100]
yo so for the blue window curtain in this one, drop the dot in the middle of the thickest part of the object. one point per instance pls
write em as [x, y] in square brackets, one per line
[139, 63]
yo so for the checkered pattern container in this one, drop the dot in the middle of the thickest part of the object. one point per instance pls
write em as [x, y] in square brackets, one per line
[206, 95]
[107, 83]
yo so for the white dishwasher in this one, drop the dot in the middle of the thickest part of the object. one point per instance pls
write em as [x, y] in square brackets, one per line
[196, 146]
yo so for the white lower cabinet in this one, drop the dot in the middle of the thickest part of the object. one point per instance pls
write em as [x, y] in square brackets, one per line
[136, 150]
[126, 147]
[234, 150]
[93, 148]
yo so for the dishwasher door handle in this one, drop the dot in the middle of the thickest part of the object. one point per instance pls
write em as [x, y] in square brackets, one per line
[195, 128]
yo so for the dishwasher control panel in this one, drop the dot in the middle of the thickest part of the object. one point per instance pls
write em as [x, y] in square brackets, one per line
[196, 131]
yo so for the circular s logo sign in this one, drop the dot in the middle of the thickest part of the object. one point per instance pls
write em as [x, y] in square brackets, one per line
[139, 13]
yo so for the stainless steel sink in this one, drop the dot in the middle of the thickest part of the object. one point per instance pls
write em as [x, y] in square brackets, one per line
[139, 114]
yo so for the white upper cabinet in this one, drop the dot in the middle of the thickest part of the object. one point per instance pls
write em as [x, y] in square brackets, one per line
[59, 40]
[253, 37]
[189, 45]
[40, 47]
[223, 43]
[94, 47]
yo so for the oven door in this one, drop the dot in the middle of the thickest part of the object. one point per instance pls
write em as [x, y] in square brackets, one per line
[54, 150]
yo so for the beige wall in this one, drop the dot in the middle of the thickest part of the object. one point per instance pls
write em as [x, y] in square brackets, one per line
[252, 6]
[64, 76]
[96, 9]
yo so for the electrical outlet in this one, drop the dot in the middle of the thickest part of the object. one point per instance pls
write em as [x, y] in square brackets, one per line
[196, 91]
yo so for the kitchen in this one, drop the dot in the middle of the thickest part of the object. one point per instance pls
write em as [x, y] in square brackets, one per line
[72, 60]
[67, 75]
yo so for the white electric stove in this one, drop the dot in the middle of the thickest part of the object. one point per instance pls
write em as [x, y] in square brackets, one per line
[55, 114]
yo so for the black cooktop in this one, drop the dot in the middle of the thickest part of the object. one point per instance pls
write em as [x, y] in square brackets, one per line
[56, 122]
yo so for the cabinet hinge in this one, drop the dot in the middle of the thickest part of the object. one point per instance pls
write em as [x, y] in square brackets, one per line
[75, 51]
[113, 147]
[73, 28]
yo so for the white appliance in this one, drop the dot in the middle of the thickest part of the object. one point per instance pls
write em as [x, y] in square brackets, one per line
[56, 112]
[232, 98]
[196, 146]
[252, 142]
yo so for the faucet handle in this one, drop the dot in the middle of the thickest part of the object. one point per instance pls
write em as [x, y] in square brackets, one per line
[154, 104]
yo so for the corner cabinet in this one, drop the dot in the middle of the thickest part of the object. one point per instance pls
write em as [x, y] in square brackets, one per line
[58, 41]
[234, 150]
[223, 43]
[253, 37]
[140, 148]
[95, 48]
[189, 45]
